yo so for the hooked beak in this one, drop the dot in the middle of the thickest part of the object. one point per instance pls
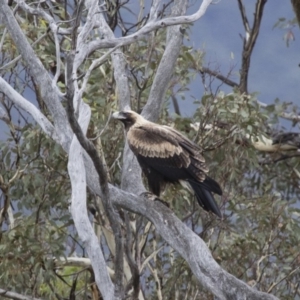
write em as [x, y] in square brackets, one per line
[120, 115]
[117, 115]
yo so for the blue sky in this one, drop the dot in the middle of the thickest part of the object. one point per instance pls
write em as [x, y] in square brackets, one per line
[274, 71]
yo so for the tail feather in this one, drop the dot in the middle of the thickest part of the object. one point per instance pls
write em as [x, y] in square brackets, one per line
[204, 196]
[212, 185]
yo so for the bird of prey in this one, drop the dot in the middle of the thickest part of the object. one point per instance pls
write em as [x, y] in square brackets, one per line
[167, 156]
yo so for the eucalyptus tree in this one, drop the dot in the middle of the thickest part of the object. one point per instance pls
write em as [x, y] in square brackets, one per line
[73, 216]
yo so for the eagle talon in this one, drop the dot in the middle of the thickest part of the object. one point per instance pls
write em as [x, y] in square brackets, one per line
[153, 197]
[149, 196]
[162, 202]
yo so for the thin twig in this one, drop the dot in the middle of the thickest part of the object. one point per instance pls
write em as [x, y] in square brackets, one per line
[16, 296]
[219, 76]
[95, 64]
[285, 277]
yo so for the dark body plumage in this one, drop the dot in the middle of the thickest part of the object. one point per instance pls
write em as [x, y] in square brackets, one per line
[165, 155]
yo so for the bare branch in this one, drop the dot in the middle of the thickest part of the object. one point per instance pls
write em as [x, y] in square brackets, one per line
[58, 62]
[16, 296]
[274, 284]
[119, 64]
[249, 41]
[154, 10]
[290, 116]
[76, 126]
[101, 170]
[21, 102]
[281, 158]
[175, 104]
[147, 260]
[134, 266]
[4, 117]
[49, 92]
[219, 76]
[166, 66]
[77, 174]
[95, 64]
[94, 15]
[151, 26]
[157, 281]
[183, 239]
[244, 17]
[78, 262]
[42, 13]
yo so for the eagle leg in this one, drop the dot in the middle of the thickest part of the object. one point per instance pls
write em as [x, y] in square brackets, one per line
[152, 197]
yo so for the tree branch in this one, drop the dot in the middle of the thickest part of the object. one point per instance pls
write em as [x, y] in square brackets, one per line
[119, 64]
[190, 246]
[249, 41]
[166, 66]
[89, 147]
[96, 17]
[219, 76]
[49, 92]
[77, 174]
[24, 104]
[36, 11]
[151, 26]
[296, 7]
[16, 296]
[131, 172]
[72, 100]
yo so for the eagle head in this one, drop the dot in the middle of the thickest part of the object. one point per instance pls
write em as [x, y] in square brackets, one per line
[128, 118]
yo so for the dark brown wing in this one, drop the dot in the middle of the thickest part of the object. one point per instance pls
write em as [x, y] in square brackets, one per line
[184, 142]
[167, 156]
[166, 151]
[163, 142]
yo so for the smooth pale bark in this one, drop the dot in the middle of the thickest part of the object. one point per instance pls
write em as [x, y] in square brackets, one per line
[48, 91]
[16, 296]
[166, 66]
[84, 228]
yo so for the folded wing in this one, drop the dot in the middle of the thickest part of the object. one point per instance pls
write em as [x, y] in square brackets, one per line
[165, 155]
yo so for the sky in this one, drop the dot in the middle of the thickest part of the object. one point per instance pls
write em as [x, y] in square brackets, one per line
[274, 71]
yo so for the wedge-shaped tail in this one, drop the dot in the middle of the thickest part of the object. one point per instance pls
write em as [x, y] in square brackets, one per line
[203, 192]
